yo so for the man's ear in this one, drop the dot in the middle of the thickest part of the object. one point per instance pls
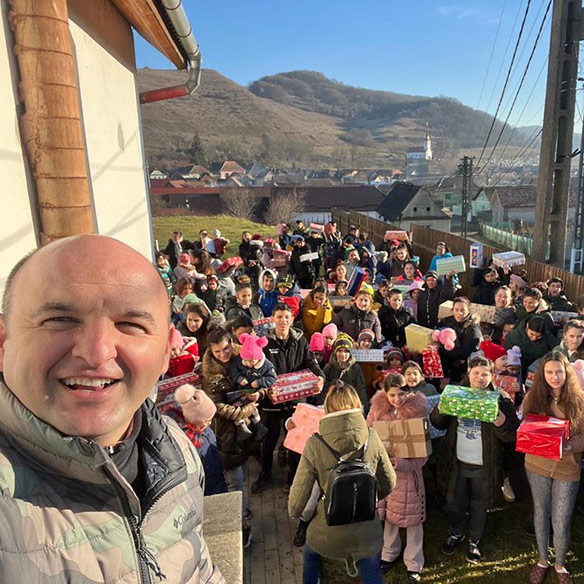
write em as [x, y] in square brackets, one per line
[2, 341]
[168, 349]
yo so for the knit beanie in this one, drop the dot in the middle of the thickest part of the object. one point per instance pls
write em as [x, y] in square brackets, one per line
[343, 341]
[366, 289]
[382, 256]
[431, 274]
[518, 281]
[287, 281]
[251, 348]
[514, 356]
[317, 343]
[394, 353]
[366, 334]
[492, 351]
[184, 258]
[330, 330]
[196, 404]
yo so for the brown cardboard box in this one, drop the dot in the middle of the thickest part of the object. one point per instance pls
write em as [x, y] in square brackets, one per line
[405, 438]
[445, 310]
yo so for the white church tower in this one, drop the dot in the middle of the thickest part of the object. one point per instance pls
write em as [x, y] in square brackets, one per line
[427, 145]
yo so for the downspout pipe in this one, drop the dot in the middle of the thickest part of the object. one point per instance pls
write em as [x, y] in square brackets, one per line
[184, 31]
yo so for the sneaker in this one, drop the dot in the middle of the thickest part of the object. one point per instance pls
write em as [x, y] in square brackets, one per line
[300, 535]
[260, 483]
[474, 553]
[508, 493]
[385, 567]
[451, 543]
[246, 533]
[414, 577]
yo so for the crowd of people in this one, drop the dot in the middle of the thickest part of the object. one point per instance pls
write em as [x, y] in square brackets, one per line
[307, 299]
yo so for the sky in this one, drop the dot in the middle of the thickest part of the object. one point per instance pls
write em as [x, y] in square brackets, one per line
[459, 49]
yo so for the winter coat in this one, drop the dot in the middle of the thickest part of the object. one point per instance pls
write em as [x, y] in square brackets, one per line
[216, 383]
[426, 388]
[289, 355]
[346, 432]
[560, 302]
[493, 438]
[68, 514]
[233, 309]
[406, 504]
[393, 324]
[485, 293]
[292, 300]
[266, 300]
[352, 321]
[170, 250]
[530, 350]
[263, 372]
[304, 271]
[468, 340]
[350, 374]
[430, 300]
[411, 305]
[214, 299]
[542, 310]
[314, 318]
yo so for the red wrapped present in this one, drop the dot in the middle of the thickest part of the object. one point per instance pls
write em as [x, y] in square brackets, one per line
[165, 389]
[228, 264]
[306, 419]
[507, 383]
[543, 436]
[431, 364]
[291, 386]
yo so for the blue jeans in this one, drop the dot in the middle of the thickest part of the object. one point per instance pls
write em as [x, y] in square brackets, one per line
[368, 567]
[234, 480]
[553, 499]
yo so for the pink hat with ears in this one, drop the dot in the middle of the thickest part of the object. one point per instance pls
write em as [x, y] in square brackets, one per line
[317, 343]
[330, 330]
[251, 348]
[196, 405]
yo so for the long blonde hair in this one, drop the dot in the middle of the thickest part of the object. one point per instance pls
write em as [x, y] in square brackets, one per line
[341, 396]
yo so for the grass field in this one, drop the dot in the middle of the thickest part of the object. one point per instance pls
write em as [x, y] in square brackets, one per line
[230, 227]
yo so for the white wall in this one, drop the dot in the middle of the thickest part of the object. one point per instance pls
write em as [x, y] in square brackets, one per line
[17, 233]
[110, 112]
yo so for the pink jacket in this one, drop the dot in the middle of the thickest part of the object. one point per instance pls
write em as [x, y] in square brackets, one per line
[406, 505]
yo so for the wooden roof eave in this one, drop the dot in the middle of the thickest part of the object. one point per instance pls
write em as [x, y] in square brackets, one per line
[145, 18]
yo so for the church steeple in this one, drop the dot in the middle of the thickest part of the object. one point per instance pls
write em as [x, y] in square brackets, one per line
[427, 145]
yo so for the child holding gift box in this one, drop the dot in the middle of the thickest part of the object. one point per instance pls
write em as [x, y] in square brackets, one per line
[554, 484]
[470, 471]
[415, 380]
[405, 507]
[371, 371]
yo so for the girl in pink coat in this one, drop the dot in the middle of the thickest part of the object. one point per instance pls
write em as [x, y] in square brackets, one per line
[406, 505]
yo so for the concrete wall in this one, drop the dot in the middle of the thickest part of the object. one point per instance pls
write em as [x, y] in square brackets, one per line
[104, 51]
[438, 224]
[17, 232]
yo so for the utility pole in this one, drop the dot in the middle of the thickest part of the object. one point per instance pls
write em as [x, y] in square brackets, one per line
[466, 168]
[551, 213]
[577, 256]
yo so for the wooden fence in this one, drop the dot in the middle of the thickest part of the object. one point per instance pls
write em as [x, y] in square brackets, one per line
[425, 240]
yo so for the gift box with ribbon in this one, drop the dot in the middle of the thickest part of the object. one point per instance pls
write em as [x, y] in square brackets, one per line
[306, 419]
[418, 337]
[262, 326]
[291, 386]
[405, 438]
[508, 259]
[506, 383]
[468, 403]
[543, 436]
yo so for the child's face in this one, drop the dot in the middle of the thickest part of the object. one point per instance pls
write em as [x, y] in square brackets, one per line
[187, 290]
[342, 355]
[213, 284]
[318, 299]
[412, 376]
[283, 290]
[200, 427]
[318, 355]
[365, 343]
[161, 262]
[395, 363]
[328, 341]
[507, 328]
[250, 362]
[501, 363]
[244, 297]
[415, 294]
[395, 396]
[555, 289]
[268, 283]
[342, 289]
[396, 301]
[480, 377]
[363, 302]
[573, 338]
[242, 329]
[194, 322]
[513, 369]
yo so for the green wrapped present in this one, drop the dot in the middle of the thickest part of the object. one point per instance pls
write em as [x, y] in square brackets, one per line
[472, 404]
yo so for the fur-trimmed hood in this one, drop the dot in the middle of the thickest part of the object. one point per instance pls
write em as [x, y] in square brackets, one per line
[415, 406]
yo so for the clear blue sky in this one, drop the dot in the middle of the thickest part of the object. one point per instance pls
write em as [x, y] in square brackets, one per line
[426, 47]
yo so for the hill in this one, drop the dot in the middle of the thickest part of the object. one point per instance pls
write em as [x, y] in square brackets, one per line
[302, 118]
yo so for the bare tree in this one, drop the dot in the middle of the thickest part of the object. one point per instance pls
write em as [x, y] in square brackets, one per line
[239, 202]
[283, 208]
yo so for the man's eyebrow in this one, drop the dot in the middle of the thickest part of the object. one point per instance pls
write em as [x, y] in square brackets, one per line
[53, 307]
[141, 314]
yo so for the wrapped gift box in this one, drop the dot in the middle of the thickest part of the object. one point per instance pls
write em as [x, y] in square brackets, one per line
[507, 383]
[280, 260]
[446, 265]
[403, 288]
[508, 259]
[431, 364]
[368, 355]
[472, 404]
[561, 317]
[445, 310]
[165, 389]
[418, 337]
[306, 419]
[399, 235]
[340, 301]
[307, 257]
[317, 227]
[433, 401]
[304, 292]
[530, 377]
[476, 255]
[405, 438]
[262, 326]
[291, 386]
[484, 312]
[357, 278]
[229, 263]
[543, 436]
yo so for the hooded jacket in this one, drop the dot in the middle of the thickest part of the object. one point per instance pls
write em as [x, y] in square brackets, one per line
[346, 432]
[351, 374]
[530, 350]
[68, 515]
[485, 293]
[406, 504]
[542, 310]
[560, 302]
[233, 309]
[430, 300]
[266, 300]
[314, 318]
[352, 321]
[393, 324]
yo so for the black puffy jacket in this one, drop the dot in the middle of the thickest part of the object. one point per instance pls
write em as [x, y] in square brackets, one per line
[430, 300]
[393, 324]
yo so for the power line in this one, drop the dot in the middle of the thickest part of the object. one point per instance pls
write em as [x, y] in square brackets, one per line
[506, 80]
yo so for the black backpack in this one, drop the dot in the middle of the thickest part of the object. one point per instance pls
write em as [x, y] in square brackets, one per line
[351, 496]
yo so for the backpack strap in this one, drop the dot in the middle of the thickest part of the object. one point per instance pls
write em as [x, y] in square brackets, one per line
[357, 455]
